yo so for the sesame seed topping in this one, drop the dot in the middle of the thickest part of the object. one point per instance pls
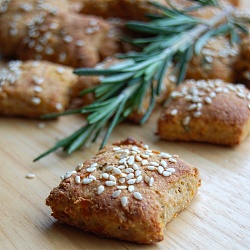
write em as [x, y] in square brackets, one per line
[100, 189]
[151, 181]
[68, 39]
[79, 43]
[116, 148]
[87, 180]
[131, 188]
[38, 89]
[137, 172]
[248, 105]
[144, 162]
[130, 176]
[137, 195]
[62, 57]
[131, 181]
[121, 187]
[110, 183]
[174, 112]
[144, 156]
[164, 163]
[135, 166]
[91, 169]
[105, 175]
[30, 176]
[197, 114]
[58, 106]
[60, 70]
[79, 167]
[138, 158]
[160, 169]
[117, 171]
[36, 100]
[124, 201]
[172, 170]
[166, 173]
[38, 80]
[129, 170]
[165, 155]
[109, 168]
[131, 160]
[151, 168]
[122, 180]
[186, 121]
[138, 179]
[116, 193]
[78, 179]
[112, 178]
[68, 174]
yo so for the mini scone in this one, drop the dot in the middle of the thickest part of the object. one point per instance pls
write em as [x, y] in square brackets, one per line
[127, 191]
[33, 88]
[216, 61]
[207, 111]
[32, 30]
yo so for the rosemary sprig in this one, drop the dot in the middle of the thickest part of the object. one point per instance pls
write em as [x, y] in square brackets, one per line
[174, 36]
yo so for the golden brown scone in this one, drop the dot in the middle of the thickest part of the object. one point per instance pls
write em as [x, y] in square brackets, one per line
[33, 88]
[60, 35]
[207, 111]
[126, 191]
[216, 61]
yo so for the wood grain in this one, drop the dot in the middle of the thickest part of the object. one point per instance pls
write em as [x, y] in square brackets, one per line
[218, 218]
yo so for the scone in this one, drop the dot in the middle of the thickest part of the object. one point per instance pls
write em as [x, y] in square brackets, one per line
[216, 61]
[38, 30]
[207, 111]
[127, 191]
[34, 88]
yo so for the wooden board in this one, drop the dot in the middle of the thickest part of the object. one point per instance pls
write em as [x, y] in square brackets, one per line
[218, 217]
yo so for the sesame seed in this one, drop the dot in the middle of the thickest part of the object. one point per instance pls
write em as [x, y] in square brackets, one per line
[144, 156]
[123, 160]
[138, 158]
[197, 114]
[36, 100]
[116, 148]
[160, 169]
[165, 155]
[241, 95]
[116, 193]
[79, 167]
[174, 112]
[137, 195]
[124, 201]
[131, 160]
[248, 105]
[135, 148]
[121, 167]
[38, 48]
[122, 180]
[137, 172]
[91, 169]
[62, 57]
[131, 188]
[38, 80]
[138, 179]
[58, 106]
[92, 177]
[109, 168]
[192, 107]
[173, 160]
[212, 94]
[166, 173]
[110, 183]
[151, 168]
[131, 181]
[105, 175]
[164, 163]
[38, 89]
[100, 189]
[49, 51]
[135, 166]
[79, 43]
[129, 170]
[121, 187]
[248, 97]
[117, 171]
[112, 178]
[68, 174]
[87, 180]
[78, 179]
[144, 162]
[171, 170]
[151, 181]
[186, 121]
[68, 39]
[60, 70]
[208, 100]
[41, 124]
[30, 176]
[130, 176]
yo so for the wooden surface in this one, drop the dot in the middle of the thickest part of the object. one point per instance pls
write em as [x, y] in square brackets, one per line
[218, 217]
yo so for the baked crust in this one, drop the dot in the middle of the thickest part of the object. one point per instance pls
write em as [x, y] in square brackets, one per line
[139, 211]
[207, 111]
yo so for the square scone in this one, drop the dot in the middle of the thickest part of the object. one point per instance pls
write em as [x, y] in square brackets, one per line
[127, 191]
[209, 111]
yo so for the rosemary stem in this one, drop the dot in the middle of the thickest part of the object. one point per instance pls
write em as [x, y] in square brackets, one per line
[188, 37]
